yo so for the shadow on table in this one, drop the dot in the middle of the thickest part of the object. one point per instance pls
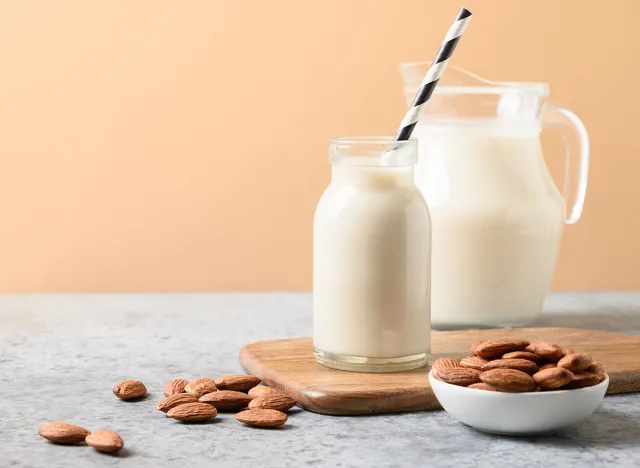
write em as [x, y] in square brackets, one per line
[124, 453]
[609, 321]
[605, 428]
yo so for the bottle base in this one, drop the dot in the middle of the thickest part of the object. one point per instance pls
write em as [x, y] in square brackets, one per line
[365, 364]
[444, 326]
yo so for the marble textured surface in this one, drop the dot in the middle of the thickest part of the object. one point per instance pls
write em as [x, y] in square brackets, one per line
[61, 354]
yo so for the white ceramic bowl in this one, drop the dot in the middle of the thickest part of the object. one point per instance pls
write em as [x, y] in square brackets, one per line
[518, 413]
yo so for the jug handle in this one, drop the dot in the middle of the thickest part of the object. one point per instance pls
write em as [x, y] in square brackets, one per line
[576, 142]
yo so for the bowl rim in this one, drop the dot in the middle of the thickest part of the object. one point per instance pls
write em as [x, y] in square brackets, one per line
[512, 395]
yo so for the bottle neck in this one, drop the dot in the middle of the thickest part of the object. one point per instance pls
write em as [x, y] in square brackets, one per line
[372, 177]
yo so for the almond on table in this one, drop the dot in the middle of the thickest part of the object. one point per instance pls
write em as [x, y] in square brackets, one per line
[105, 441]
[193, 412]
[174, 400]
[200, 387]
[129, 389]
[227, 400]
[63, 433]
[262, 417]
[262, 390]
[277, 402]
[175, 386]
[237, 382]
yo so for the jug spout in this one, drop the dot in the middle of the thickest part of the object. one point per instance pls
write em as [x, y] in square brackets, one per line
[458, 80]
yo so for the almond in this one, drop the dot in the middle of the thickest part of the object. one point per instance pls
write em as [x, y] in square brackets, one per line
[105, 441]
[597, 369]
[491, 349]
[581, 380]
[533, 357]
[568, 351]
[548, 365]
[175, 400]
[523, 365]
[546, 350]
[473, 362]
[226, 400]
[192, 412]
[262, 390]
[63, 433]
[444, 363]
[462, 376]
[174, 386]
[482, 386]
[575, 362]
[200, 387]
[277, 402]
[508, 380]
[551, 379]
[475, 345]
[237, 382]
[129, 389]
[262, 417]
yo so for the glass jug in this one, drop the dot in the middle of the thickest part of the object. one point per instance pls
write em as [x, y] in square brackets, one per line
[496, 215]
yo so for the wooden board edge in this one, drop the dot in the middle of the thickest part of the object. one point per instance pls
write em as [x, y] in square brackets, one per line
[322, 402]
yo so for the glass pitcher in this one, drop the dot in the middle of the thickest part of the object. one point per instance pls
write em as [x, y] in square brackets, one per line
[496, 215]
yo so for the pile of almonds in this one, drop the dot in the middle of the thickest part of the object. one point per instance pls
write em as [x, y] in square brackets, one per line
[517, 366]
[202, 399]
[188, 401]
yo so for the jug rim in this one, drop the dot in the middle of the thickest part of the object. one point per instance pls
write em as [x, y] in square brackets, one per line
[490, 87]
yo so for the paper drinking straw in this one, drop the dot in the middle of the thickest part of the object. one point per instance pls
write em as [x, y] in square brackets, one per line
[433, 75]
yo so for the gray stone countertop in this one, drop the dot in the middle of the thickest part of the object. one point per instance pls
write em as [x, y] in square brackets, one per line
[61, 354]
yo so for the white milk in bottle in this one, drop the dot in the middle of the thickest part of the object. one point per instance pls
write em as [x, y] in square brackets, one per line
[371, 260]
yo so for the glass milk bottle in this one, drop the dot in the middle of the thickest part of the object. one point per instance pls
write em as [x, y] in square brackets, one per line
[497, 216]
[371, 259]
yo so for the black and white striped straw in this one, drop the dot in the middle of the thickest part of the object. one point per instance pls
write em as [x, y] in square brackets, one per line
[433, 75]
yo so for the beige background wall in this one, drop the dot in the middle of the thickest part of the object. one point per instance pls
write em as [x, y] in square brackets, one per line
[181, 145]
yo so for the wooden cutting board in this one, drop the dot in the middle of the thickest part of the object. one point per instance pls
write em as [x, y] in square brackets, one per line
[289, 366]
